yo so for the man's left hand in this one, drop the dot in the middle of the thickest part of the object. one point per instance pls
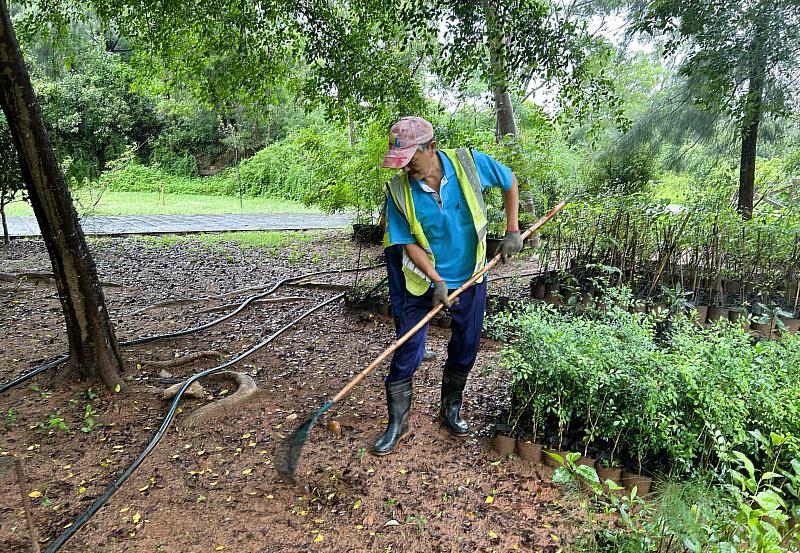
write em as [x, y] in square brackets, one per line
[511, 244]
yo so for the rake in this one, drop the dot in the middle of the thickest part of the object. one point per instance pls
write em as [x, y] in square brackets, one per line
[289, 453]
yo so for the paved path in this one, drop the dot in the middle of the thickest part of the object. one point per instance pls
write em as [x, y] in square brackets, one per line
[177, 224]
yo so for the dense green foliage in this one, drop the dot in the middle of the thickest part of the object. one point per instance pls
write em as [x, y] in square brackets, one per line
[752, 507]
[161, 93]
[602, 383]
[10, 178]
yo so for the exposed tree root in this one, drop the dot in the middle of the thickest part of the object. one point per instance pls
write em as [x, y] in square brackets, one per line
[246, 390]
[184, 360]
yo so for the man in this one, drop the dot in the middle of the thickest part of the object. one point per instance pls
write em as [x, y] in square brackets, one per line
[437, 212]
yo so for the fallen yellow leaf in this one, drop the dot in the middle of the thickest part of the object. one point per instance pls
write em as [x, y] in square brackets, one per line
[489, 499]
[319, 538]
[35, 494]
[136, 518]
[492, 534]
[247, 471]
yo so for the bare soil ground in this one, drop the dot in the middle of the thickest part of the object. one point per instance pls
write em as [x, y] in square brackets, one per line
[214, 488]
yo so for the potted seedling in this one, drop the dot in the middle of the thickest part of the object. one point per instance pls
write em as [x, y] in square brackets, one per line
[569, 288]
[563, 414]
[539, 287]
[527, 447]
[740, 315]
[504, 444]
[496, 227]
[769, 320]
[609, 468]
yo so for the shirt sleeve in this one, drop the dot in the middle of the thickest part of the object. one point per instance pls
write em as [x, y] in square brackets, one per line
[399, 230]
[492, 173]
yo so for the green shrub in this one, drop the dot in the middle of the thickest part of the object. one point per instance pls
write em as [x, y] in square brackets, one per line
[344, 176]
[134, 177]
[743, 509]
[601, 384]
[277, 171]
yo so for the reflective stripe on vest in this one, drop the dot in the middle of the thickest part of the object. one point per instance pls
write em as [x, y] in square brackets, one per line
[385, 218]
[467, 174]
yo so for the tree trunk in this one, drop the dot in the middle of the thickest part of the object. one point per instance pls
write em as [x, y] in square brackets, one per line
[747, 166]
[506, 123]
[351, 129]
[93, 348]
[5, 223]
[504, 111]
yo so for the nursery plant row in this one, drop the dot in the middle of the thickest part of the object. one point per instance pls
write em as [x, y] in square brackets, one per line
[704, 249]
[654, 395]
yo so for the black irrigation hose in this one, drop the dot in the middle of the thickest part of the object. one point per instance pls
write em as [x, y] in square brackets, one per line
[60, 360]
[103, 499]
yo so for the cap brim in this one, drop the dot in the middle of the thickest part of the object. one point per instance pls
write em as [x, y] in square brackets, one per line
[398, 157]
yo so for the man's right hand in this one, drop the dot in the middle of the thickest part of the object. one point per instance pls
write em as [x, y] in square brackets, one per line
[440, 293]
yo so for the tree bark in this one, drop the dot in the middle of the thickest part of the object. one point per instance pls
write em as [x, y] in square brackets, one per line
[351, 129]
[506, 123]
[747, 165]
[5, 223]
[93, 348]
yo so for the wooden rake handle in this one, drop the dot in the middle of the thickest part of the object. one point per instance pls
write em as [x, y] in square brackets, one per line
[432, 313]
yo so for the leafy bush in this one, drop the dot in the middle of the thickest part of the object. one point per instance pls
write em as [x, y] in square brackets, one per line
[90, 115]
[346, 177]
[744, 509]
[134, 177]
[624, 171]
[545, 166]
[278, 171]
[603, 385]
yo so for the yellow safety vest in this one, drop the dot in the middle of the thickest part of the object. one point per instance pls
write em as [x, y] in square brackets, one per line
[400, 189]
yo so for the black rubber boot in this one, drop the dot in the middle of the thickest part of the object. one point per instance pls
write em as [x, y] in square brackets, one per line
[398, 398]
[452, 392]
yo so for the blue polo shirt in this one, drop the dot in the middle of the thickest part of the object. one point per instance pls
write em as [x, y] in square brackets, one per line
[446, 219]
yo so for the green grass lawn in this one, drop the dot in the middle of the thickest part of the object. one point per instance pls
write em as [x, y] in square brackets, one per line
[266, 239]
[146, 203]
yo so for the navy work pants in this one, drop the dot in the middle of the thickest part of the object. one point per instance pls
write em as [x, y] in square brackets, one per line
[467, 323]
